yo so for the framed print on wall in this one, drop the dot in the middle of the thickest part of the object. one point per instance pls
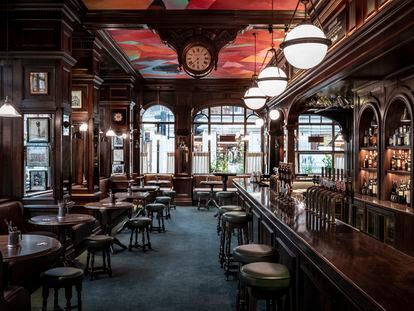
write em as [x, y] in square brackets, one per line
[117, 168]
[77, 99]
[38, 180]
[119, 116]
[118, 155]
[118, 141]
[37, 156]
[39, 83]
[37, 130]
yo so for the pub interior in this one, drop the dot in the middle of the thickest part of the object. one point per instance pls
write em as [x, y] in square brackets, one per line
[206, 155]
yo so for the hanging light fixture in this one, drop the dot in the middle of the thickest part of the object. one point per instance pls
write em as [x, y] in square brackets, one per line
[272, 80]
[274, 114]
[7, 110]
[259, 122]
[254, 97]
[405, 118]
[306, 45]
[110, 132]
[83, 127]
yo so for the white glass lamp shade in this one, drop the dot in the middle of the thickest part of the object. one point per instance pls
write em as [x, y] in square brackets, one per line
[83, 127]
[272, 81]
[259, 122]
[254, 98]
[124, 136]
[8, 111]
[305, 46]
[110, 133]
[274, 114]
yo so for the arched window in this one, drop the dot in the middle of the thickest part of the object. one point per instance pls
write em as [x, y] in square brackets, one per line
[319, 143]
[226, 138]
[157, 140]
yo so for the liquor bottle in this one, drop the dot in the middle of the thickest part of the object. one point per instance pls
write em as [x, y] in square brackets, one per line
[366, 139]
[374, 187]
[408, 136]
[403, 161]
[364, 187]
[401, 192]
[408, 193]
[406, 159]
[365, 162]
[369, 191]
[374, 160]
[409, 161]
[395, 138]
[370, 159]
[390, 141]
[393, 161]
[398, 164]
[373, 139]
[394, 196]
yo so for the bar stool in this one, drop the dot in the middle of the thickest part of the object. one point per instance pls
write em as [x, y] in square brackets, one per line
[167, 202]
[98, 243]
[238, 221]
[223, 209]
[225, 197]
[172, 194]
[136, 225]
[158, 209]
[62, 277]
[265, 280]
[205, 196]
[249, 253]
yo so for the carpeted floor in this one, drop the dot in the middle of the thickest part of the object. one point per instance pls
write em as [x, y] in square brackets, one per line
[180, 273]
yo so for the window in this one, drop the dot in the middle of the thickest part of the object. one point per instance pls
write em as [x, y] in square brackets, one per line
[157, 140]
[226, 139]
[319, 143]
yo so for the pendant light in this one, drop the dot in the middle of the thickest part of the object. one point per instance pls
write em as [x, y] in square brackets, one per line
[254, 97]
[83, 127]
[306, 45]
[405, 118]
[7, 110]
[110, 132]
[274, 114]
[272, 80]
[259, 122]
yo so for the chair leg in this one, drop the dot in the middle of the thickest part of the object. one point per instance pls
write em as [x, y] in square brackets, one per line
[45, 295]
[68, 296]
[108, 256]
[148, 238]
[79, 294]
[104, 259]
[88, 258]
[92, 265]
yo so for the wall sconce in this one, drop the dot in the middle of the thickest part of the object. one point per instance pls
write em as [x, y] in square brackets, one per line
[83, 127]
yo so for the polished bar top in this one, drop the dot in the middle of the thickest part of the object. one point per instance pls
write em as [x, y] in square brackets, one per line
[385, 204]
[381, 273]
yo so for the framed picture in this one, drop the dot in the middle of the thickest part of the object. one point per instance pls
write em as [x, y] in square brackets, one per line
[117, 168]
[37, 156]
[38, 180]
[119, 116]
[118, 155]
[77, 99]
[118, 141]
[37, 130]
[39, 83]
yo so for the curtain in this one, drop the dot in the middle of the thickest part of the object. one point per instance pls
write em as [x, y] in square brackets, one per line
[144, 163]
[200, 163]
[170, 162]
[254, 162]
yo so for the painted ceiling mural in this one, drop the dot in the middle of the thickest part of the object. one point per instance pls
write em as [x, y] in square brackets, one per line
[190, 4]
[153, 59]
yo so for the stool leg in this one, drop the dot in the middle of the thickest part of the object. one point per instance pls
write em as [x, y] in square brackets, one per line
[130, 240]
[104, 259]
[79, 294]
[56, 300]
[136, 236]
[252, 302]
[148, 238]
[88, 258]
[92, 265]
[108, 253]
[222, 242]
[163, 226]
[227, 251]
[45, 295]
[68, 296]
[246, 234]
[218, 224]
[143, 240]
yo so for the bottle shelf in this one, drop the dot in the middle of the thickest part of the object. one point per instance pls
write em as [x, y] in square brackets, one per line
[368, 169]
[397, 172]
[368, 148]
[399, 147]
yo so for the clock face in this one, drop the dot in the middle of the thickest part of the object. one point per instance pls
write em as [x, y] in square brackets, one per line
[198, 58]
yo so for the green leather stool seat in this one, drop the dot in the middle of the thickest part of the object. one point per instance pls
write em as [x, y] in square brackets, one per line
[236, 217]
[225, 194]
[163, 200]
[98, 242]
[155, 207]
[62, 274]
[249, 253]
[138, 222]
[203, 194]
[229, 208]
[169, 193]
[265, 275]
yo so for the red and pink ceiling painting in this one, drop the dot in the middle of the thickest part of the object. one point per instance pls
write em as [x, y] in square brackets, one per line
[153, 59]
[190, 4]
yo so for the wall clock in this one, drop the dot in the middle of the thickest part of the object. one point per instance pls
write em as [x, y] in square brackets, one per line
[198, 59]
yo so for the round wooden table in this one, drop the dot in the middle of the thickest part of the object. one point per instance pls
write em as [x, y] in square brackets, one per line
[212, 184]
[147, 188]
[31, 247]
[109, 208]
[224, 177]
[62, 224]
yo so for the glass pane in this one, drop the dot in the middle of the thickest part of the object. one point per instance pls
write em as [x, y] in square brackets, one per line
[239, 118]
[238, 110]
[215, 110]
[315, 119]
[158, 113]
[339, 140]
[227, 119]
[200, 118]
[227, 110]
[326, 120]
[313, 163]
[339, 161]
[304, 119]
[252, 118]
[314, 137]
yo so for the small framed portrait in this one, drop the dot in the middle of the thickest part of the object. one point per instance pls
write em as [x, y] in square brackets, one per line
[77, 99]
[39, 83]
[118, 155]
[117, 168]
[119, 116]
[38, 180]
[37, 156]
[38, 130]
[118, 141]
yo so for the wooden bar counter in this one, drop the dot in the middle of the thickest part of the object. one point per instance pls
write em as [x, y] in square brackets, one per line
[334, 267]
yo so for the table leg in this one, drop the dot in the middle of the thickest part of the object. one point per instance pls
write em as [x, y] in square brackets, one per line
[116, 241]
[212, 200]
[224, 180]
